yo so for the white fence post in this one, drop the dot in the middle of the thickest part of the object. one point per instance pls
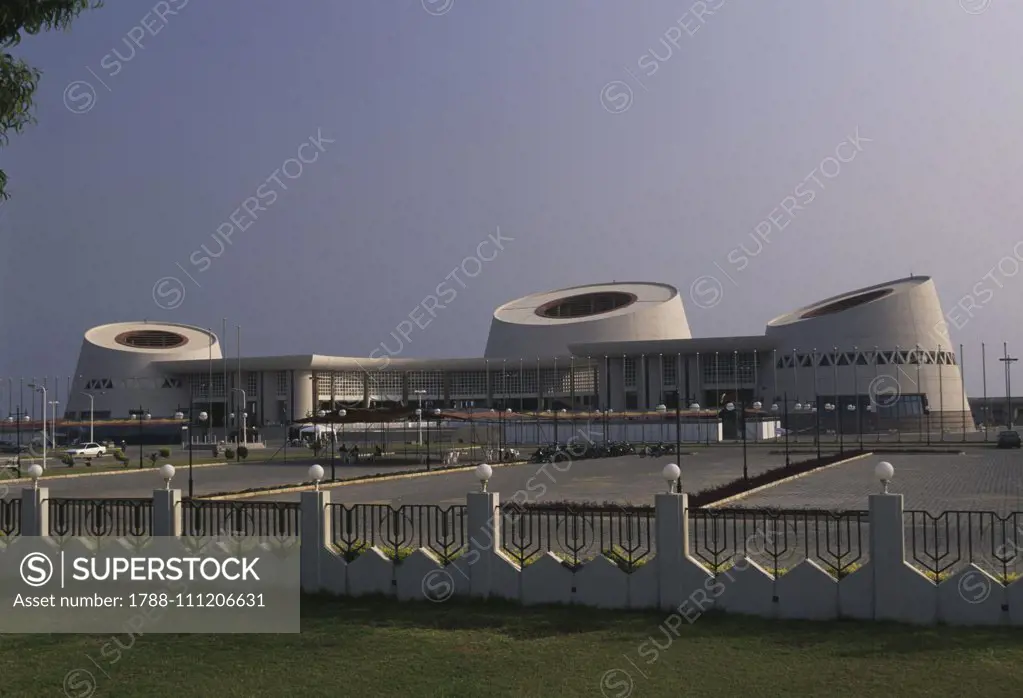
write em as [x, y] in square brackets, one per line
[314, 538]
[35, 512]
[484, 531]
[672, 547]
[166, 518]
[901, 592]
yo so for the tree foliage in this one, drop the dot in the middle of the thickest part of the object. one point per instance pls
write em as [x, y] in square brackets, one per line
[18, 80]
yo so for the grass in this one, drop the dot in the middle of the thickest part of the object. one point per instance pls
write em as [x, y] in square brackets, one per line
[377, 647]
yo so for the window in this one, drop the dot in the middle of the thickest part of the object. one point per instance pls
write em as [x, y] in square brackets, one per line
[251, 385]
[629, 370]
[723, 369]
[430, 381]
[348, 385]
[218, 385]
[468, 384]
[282, 383]
[170, 383]
[670, 371]
[385, 385]
[323, 383]
[99, 384]
[585, 381]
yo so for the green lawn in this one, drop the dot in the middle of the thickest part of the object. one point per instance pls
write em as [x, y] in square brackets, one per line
[366, 648]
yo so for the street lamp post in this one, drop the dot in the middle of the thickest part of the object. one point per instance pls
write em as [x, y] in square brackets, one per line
[741, 420]
[243, 437]
[828, 407]
[143, 415]
[504, 437]
[678, 424]
[419, 415]
[859, 423]
[18, 417]
[53, 421]
[341, 414]
[785, 410]
[321, 414]
[419, 439]
[92, 421]
[42, 389]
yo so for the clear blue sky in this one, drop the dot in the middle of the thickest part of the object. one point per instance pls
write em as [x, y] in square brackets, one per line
[448, 126]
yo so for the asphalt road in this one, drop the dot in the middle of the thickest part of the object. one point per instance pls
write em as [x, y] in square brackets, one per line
[627, 479]
[207, 479]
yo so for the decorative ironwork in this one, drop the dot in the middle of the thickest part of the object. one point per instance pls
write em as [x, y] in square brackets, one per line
[230, 518]
[624, 534]
[10, 517]
[100, 517]
[779, 539]
[398, 531]
[941, 544]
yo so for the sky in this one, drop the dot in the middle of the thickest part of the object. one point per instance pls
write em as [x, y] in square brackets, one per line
[353, 155]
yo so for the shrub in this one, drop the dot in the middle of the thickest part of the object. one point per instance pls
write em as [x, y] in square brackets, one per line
[153, 457]
[165, 452]
[67, 459]
[229, 453]
[243, 452]
[119, 456]
[216, 450]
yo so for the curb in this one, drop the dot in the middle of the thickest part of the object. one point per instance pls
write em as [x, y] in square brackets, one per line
[354, 481]
[743, 495]
[133, 471]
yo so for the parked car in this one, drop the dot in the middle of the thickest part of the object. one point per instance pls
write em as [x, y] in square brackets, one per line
[1009, 439]
[89, 450]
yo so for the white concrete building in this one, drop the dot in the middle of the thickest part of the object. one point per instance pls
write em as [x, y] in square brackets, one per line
[880, 355]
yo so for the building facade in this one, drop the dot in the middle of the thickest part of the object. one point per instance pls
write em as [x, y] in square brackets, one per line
[872, 358]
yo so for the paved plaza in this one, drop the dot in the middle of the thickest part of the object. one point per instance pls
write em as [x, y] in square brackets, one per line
[989, 480]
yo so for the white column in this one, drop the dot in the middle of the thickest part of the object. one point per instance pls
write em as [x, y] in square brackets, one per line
[672, 545]
[484, 531]
[35, 513]
[166, 512]
[314, 539]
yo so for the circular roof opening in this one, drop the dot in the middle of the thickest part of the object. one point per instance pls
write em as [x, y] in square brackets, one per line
[586, 304]
[151, 339]
[846, 303]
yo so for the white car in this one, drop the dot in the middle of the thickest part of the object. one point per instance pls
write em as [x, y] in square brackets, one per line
[89, 450]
